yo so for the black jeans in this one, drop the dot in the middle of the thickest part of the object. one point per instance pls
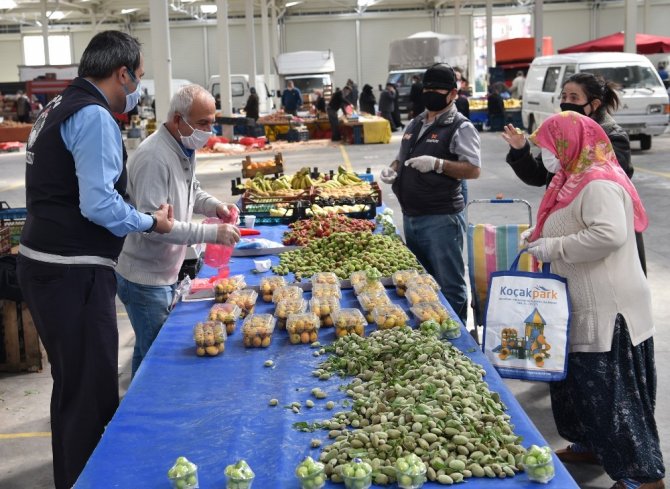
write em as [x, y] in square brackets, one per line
[334, 125]
[75, 315]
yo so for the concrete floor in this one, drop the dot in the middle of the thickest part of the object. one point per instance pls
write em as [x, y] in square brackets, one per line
[25, 451]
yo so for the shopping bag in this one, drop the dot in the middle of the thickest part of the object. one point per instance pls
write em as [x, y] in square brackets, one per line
[526, 324]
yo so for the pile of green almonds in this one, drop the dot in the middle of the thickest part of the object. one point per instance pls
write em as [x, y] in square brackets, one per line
[415, 394]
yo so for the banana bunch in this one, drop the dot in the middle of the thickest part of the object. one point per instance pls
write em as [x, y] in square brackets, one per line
[331, 184]
[258, 184]
[302, 180]
[281, 183]
[346, 177]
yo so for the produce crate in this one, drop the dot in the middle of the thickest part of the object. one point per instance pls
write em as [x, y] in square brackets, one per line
[251, 202]
[263, 216]
[13, 219]
[375, 193]
[249, 169]
[5, 241]
[20, 349]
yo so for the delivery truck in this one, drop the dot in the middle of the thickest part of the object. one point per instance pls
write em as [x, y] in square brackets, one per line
[414, 54]
[308, 70]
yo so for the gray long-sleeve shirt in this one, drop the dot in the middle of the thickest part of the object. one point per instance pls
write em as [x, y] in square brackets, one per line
[160, 172]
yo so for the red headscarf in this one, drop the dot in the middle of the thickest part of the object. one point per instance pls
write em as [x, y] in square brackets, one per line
[586, 154]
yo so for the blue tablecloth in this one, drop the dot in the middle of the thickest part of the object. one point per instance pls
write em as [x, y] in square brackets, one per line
[215, 410]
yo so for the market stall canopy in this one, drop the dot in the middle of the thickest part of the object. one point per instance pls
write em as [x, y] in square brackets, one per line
[646, 44]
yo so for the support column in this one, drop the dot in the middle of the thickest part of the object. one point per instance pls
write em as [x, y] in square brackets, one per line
[45, 32]
[489, 37]
[630, 27]
[161, 57]
[251, 41]
[359, 63]
[222, 34]
[538, 26]
[265, 31]
[457, 17]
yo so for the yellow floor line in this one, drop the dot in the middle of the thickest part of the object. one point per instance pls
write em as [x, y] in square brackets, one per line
[38, 434]
[345, 157]
[659, 173]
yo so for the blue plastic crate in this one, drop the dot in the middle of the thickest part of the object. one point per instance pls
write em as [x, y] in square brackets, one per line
[366, 177]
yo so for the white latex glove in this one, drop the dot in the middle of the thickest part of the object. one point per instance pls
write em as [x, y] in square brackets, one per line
[388, 175]
[540, 250]
[422, 163]
[525, 236]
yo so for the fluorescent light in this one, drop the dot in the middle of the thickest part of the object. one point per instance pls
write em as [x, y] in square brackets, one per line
[366, 3]
[208, 9]
[56, 15]
[125, 11]
[7, 4]
[292, 4]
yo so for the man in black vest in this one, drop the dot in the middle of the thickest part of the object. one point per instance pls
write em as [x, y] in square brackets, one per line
[74, 232]
[439, 149]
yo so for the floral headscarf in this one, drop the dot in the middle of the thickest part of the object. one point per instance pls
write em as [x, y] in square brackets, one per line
[586, 154]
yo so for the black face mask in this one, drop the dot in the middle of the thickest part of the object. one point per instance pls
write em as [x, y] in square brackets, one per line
[574, 107]
[434, 101]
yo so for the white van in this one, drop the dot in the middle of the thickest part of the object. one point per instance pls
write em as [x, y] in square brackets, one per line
[644, 105]
[239, 87]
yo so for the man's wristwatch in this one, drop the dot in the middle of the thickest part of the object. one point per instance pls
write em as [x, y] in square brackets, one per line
[439, 166]
[153, 226]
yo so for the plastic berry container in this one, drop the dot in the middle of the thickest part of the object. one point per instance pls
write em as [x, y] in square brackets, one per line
[416, 294]
[425, 311]
[358, 277]
[285, 307]
[426, 279]
[348, 321]
[245, 299]
[311, 474]
[326, 290]
[323, 307]
[370, 300]
[268, 286]
[357, 474]
[539, 464]
[286, 292]
[183, 475]
[325, 278]
[223, 287]
[210, 338]
[302, 328]
[389, 316]
[402, 278]
[369, 286]
[410, 472]
[227, 313]
[257, 330]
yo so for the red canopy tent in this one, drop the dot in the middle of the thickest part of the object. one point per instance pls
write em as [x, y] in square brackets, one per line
[646, 44]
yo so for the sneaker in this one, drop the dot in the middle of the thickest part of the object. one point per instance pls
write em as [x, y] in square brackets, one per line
[633, 484]
[575, 454]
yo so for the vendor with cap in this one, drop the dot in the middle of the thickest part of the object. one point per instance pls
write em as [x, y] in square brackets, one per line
[439, 149]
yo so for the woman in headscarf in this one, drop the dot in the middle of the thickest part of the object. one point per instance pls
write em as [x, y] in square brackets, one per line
[367, 100]
[585, 229]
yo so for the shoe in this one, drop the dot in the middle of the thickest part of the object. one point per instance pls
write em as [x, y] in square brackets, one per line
[631, 484]
[570, 456]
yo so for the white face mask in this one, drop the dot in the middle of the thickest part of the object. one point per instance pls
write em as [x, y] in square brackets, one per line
[196, 140]
[133, 98]
[550, 161]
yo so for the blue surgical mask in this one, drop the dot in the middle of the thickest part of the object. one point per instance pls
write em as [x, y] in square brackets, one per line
[132, 98]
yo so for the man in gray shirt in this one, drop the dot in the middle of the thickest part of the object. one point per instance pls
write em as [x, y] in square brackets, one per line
[163, 170]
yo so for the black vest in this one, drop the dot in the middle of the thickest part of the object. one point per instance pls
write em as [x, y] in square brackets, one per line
[429, 193]
[55, 224]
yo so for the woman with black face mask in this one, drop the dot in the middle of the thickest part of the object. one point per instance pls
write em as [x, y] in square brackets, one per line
[593, 97]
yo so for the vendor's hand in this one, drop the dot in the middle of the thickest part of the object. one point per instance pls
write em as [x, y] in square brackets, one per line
[227, 234]
[514, 137]
[525, 236]
[388, 175]
[540, 250]
[424, 164]
[229, 213]
[164, 219]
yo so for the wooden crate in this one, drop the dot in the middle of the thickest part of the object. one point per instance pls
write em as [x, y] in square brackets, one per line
[21, 350]
[249, 172]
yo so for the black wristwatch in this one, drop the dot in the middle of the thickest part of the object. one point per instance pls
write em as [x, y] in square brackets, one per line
[153, 226]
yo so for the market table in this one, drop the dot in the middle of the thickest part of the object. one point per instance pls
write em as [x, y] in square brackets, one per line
[215, 410]
[368, 130]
